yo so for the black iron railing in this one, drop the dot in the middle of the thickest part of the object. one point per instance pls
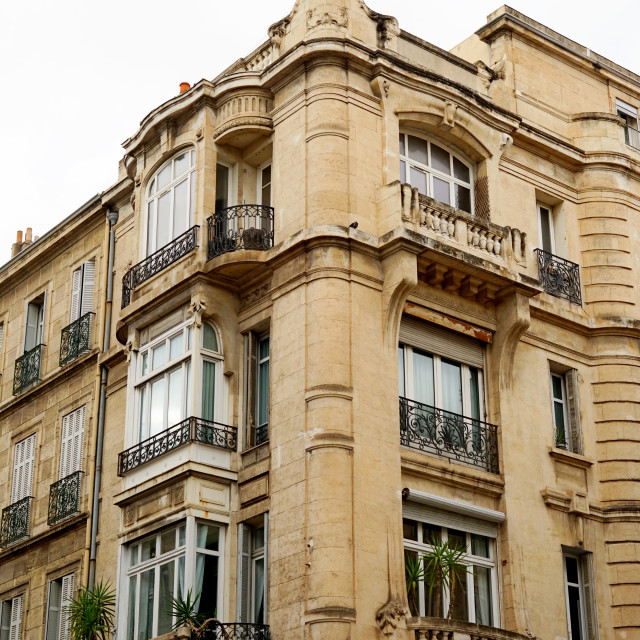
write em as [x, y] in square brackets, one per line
[261, 434]
[237, 631]
[15, 522]
[75, 339]
[189, 430]
[27, 369]
[245, 226]
[559, 277]
[448, 435]
[632, 137]
[156, 262]
[64, 498]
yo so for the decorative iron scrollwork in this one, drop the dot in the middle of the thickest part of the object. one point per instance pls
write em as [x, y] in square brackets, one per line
[27, 369]
[245, 226]
[64, 498]
[75, 339]
[448, 435]
[189, 430]
[237, 631]
[15, 522]
[559, 277]
[156, 262]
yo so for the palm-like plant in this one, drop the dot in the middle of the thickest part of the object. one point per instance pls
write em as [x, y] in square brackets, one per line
[185, 614]
[414, 573]
[91, 613]
[444, 569]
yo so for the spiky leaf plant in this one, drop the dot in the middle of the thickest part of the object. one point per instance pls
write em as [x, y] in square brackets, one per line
[91, 613]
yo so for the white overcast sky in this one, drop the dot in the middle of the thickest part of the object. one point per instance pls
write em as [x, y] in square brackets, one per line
[76, 77]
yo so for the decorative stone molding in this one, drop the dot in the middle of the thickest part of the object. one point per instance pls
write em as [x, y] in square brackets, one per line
[449, 115]
[256, 294]
[317, 18]
[196, 309]
[243, 117]
[130, 165]
[388, 27]
[130, 348]
[505, 142]
[390, 615]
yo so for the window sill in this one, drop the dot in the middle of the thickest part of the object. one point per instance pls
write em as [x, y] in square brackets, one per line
[573, 459]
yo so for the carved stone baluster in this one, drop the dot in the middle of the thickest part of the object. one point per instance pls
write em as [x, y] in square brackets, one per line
[451, 226]
[490, 242]
[483, 240]
[497, 246]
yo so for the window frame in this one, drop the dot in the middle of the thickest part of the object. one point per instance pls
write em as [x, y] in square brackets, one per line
[253, 397]
[39, 302]
[188, 551]
[246, 610]
[66, 583]
[421, 547]
[28, 461]
[580, 585]
[432, 172]
[571, 408]
[151, 244]
[261, 184]
[82, 286]
[72, 444]
[540, 206]
[16, 603]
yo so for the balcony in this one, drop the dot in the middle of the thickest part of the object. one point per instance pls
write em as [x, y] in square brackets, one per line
[156, 262]
[15, 522]
[75, 339]
[27, 370]
[441, 629]
[189, 430]
[64, 498]
[237, 631]
[632, 137]
[245, 226]
[448, 435]
[559, 277]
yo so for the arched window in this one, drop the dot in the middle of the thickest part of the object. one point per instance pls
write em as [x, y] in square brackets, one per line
[170, 200]
[435, 171]
[166, 367]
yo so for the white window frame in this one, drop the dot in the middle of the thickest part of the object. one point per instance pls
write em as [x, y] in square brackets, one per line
[190, 360]
[57, 622]
[72, 442]
[261, 184]
[153, 196]
[562, 400]
[12, 610]
[580, 586]
[82, 290]
[409, 387]
[549, 209]
[570, 402]
[39, 302]
[187, 551]
[421, 547]
[431, 172]
[231, 185]
[253, 339]
[248, 557]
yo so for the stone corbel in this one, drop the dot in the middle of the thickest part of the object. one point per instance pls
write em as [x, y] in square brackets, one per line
[505, 142]
[130, 166]
[130, 348]
[410, 203]
[400, 271]
[196, 309]
[449, 115]
[390, 616]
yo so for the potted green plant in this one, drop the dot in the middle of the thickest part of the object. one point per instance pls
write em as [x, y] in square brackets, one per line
[185, 614]
[91, 613]
[414, 574]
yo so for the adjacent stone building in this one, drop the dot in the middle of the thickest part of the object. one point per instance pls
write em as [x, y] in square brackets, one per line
[352, 299]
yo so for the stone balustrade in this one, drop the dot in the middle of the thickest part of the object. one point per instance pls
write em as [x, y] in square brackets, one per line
[243, 117]
[441, 629]
[262, 58]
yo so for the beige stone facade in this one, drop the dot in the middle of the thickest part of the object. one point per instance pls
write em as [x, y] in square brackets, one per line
[366, 294]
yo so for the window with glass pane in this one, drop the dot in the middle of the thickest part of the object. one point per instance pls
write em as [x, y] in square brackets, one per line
[252, 578]
[157, 571]
[545, 227]
[474, 599]
[435, 171]
[171, 200]
[262, 400]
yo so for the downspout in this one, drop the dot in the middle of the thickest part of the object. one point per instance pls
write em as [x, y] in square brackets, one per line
[112, 216]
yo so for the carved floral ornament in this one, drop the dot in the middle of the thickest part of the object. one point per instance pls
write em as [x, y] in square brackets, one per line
[316, 18]
[390, 615]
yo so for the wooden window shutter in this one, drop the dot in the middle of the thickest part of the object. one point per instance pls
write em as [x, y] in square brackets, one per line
[573, 411]
[23, 468]
[591, 617]
[53, 611]
[88, 277]
[66, 596]
[76, 294]
[243, 586]
[16, 618]
[71, 443]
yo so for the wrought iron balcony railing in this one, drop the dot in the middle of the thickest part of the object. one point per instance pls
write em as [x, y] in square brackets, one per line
[261, 434]
[15, 522]
[246, 226]
[156, 262]
[632, 137]
[559, 277]
[27, 370]
[75, 339]
[448, 435]
[237, 631]
[64, 498]
[189, 430]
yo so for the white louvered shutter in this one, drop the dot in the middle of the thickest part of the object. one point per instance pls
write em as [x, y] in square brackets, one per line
[243, 587]
[16, 618]
[32, 324]
[71, 444]
[67, 595]
[88, 275]
[586, 560]
[53, 610]
[265, 606]
[5, 619]
[1, 334]
[76, 294]
[23, 468]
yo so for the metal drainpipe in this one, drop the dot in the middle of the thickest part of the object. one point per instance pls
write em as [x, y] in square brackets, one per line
[112, 216]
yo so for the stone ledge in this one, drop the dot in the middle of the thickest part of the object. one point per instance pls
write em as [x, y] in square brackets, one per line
[441, 628]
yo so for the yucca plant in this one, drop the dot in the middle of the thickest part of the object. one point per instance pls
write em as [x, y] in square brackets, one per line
[91, 613]
[443, 568]
[185, 614]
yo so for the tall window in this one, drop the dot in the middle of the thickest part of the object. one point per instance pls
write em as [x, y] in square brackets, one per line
[171, 563]
[164, 394]
[579, 594]
[258, 353]
[476, 598]
[82, 290]
[59, 596]
[171, 200]
[252, 571]
[264, 185]
[629, 114]
[435, 171]
[11, 618]
[71, 442]
[566, 410]
[34, 328]
[23, 461]
[545, 229]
